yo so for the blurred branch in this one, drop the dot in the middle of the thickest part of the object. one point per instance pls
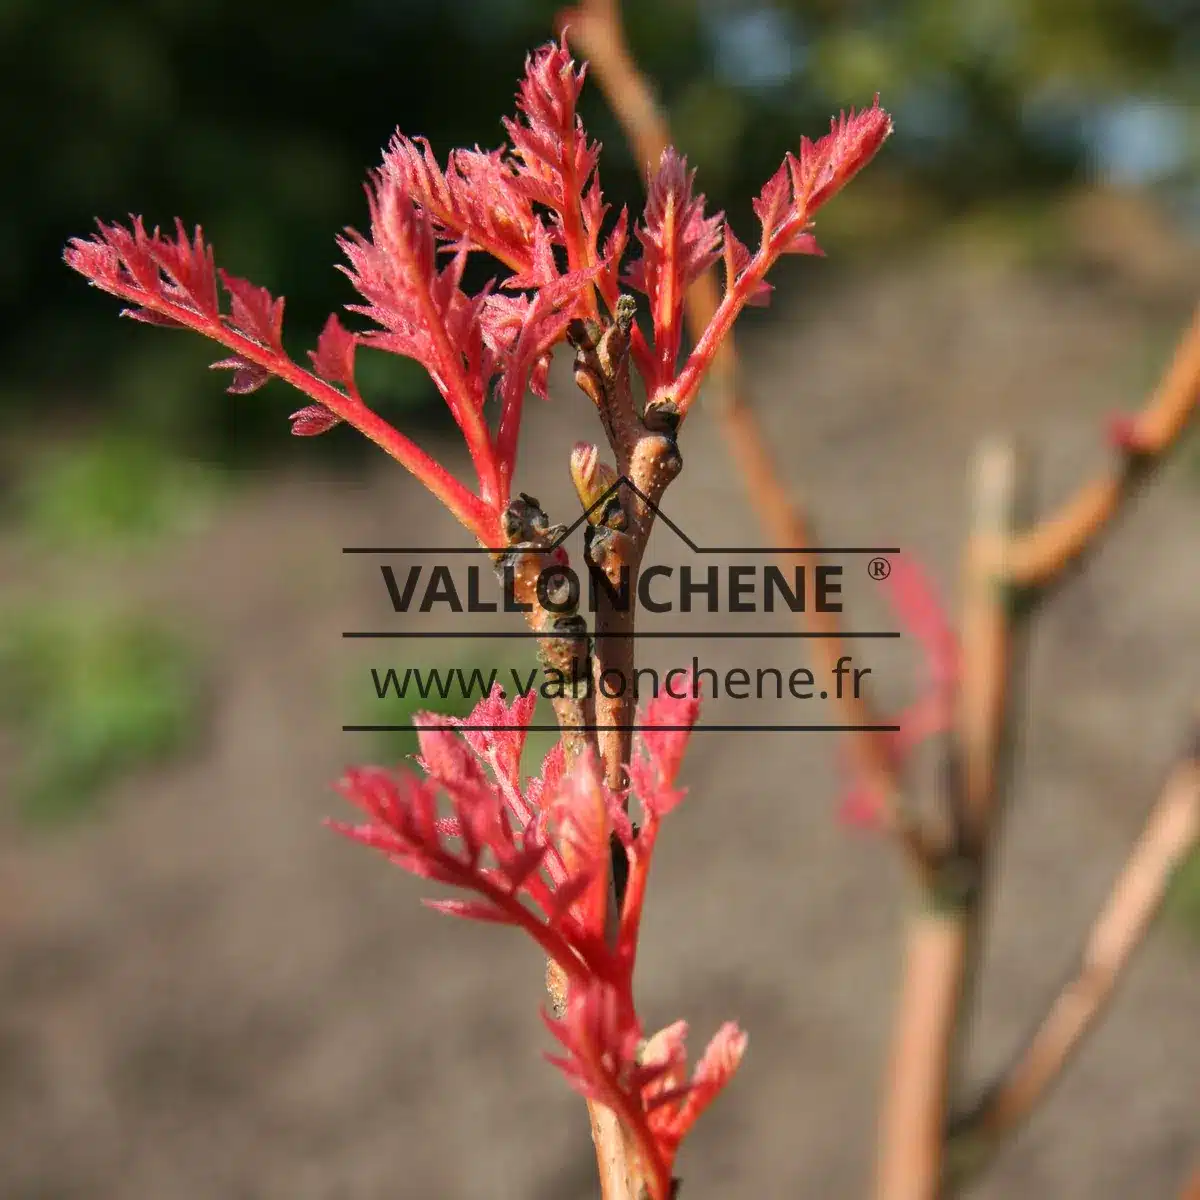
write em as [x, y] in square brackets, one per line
[1171, 833]
[943, 936]
[988, 632]
[596, 29]
[1146, 439]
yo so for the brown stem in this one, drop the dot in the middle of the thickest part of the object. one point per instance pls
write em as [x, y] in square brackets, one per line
[1043, 553]
[648, 460]
[563, 647]
[562, 636]
[987, 635]
[911, 1123]
[615, 544]
[943, 937]
[1171, 833]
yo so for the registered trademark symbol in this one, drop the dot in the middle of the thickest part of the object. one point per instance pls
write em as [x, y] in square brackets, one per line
[879, 568]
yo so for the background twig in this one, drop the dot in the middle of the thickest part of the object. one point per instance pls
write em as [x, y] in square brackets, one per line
[1172, 831]
[1047, 549]
[943, 934]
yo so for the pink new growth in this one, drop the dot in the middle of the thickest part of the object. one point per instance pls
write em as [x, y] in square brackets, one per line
[535, 207]
[535, 856]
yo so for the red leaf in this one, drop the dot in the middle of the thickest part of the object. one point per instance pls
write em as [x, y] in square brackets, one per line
[424, 314]
[774, 202]
[580, 811]
[188, 265]
[254, 312]
[803, 243]
[406, 826]
[824, 168]
[737, 258]
[539, 377]
[600, 1033]
[149, 317]
[247, 376]
[552, 155]
[666, 728]
[542, 787]
[472, 910]
[333, 358]
[679, 243]
[475, 203]
[495, 731]
[150, 269]
[610, 258]
[601, 1036]
[313, 420]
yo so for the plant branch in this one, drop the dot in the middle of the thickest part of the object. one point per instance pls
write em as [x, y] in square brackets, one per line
[943, 936]
[1047, 549]
[1171, 833]
[988, 633]
[918, 1073]
[614, 547]
[615, 543]
[565, 650]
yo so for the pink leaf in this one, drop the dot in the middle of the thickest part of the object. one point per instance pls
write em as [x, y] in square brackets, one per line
[679, 243]
[737, 259]
[552, 155]
[333, 358]
[666, 727]
[254, 312]
[475, 203]
[495, 731]
[716, 1067]
[247, 376]
[774, 202]
[472, 910]
[313, 420]
[824, 168]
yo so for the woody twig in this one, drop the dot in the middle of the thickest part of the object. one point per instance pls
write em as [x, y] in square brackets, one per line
[1171, 833]
[1143, 443]
[564, 648]
[942, 944]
